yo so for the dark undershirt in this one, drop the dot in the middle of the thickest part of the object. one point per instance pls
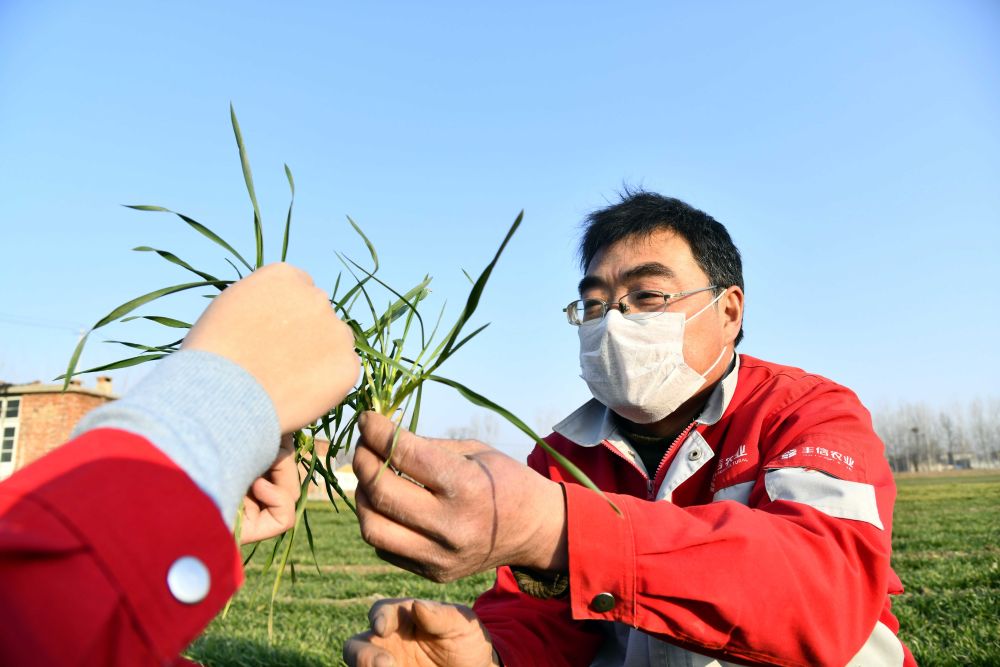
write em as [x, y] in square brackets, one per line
[651, 448]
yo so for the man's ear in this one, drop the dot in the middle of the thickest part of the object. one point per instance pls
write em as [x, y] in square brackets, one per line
[731, 311]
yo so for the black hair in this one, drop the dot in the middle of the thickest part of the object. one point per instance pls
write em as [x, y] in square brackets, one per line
[641, 213]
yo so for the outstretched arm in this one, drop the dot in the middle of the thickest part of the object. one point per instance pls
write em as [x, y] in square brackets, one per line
[119, 539]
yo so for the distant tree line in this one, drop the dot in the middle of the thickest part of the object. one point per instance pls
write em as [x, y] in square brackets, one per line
[920, 438]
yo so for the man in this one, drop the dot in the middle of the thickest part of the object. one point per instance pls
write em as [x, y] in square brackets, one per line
[752, 502]
[117, 548]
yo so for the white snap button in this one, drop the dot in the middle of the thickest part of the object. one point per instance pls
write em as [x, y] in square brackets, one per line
[694, 455]
[188, 580]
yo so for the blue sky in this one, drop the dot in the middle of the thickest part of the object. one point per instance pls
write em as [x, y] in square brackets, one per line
[851, 148]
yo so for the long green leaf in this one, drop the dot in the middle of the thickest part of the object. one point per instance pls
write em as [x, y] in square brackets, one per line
[465, 340]
[311, 540]
[277, 582]
[120, 311]
[258, 228]
[336, 287]
[430, 339]
[352, 294]
[275, 548]
[288, 219]
[160, 319]
[300, 508]
[361, 288]
[371, 248]
[239, 276]
[412, 297]
[339, 303]
[124, 363]
[415, 413]
[168, 348]
[253, 551]
[129, 306]
[480, 400]
[477, 289]
[333, 485]
[197, 226]
[74, 360]
[305, 442]
[174, 259]
[237, 532]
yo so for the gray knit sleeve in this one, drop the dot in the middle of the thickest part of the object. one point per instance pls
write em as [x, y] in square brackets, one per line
[206, 413]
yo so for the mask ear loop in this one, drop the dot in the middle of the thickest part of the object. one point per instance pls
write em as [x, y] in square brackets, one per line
[724, 347]
[716, 362]
[707, 306]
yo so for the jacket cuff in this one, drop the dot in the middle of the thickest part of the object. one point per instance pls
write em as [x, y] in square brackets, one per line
[139, 515]
[208, 414]
[602, 581]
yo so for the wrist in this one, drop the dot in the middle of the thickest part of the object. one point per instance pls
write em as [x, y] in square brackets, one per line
[548, 545]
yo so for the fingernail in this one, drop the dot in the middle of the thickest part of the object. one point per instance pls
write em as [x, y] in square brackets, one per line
[378, 625]
[384, 660]
[362, 419]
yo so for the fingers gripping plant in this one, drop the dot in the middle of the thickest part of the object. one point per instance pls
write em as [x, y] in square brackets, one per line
[393, 373]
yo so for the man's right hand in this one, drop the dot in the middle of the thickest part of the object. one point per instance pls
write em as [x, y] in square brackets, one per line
[421, 633]
[473, 508]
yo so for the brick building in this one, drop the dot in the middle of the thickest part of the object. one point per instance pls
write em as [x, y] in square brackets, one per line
[36, 418]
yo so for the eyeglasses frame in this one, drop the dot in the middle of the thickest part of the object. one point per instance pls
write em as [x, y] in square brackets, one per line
[623, 307]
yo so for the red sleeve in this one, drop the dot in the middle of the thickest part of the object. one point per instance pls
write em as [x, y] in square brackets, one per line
[87, 537]
[777, 582]
[528, 631]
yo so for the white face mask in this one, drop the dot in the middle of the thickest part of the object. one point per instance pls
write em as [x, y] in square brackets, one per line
[636, 367]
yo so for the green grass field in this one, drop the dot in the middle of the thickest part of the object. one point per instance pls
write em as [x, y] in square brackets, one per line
[946, 545]
[947, 552]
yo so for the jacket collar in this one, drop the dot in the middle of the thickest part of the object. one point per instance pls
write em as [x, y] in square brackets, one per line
[593, 423]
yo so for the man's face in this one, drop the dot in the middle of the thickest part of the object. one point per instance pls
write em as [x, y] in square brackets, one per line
[663, 261]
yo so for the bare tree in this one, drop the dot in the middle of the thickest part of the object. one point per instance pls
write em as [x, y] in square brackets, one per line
[482, 427]
[891, 426]
[954, 437]
[984, 429]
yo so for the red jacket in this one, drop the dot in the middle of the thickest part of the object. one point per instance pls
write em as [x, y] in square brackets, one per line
[87, 539]
[763, 538]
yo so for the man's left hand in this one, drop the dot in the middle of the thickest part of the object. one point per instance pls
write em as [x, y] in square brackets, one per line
[472, 508]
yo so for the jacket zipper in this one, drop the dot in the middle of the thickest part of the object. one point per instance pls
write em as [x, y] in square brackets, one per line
[680, 438]
[650, 480]
[614, 450]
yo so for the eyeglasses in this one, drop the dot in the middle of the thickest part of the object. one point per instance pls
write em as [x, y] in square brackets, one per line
[640, 304]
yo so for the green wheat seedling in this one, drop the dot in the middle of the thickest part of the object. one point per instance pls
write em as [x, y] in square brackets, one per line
[399, 353]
